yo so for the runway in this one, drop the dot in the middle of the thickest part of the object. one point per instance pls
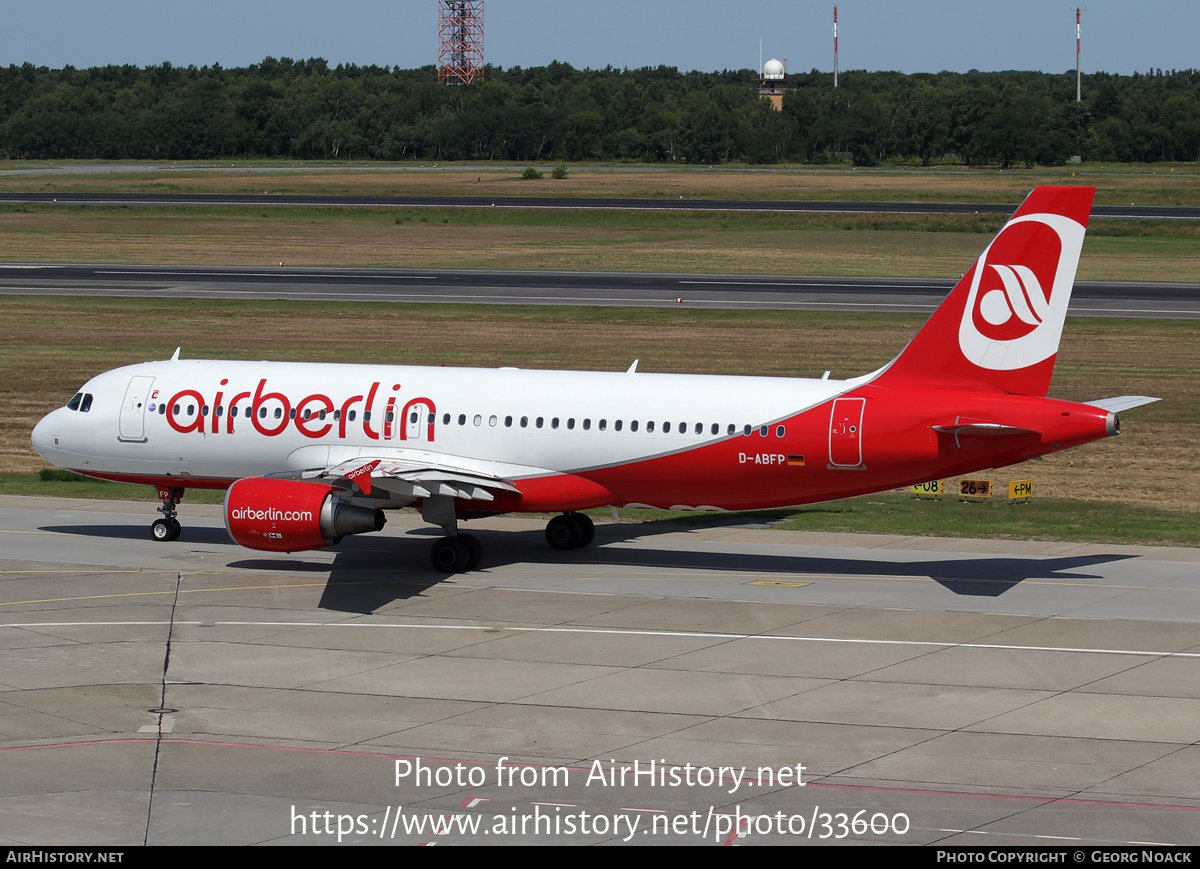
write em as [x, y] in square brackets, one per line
[1135, 212]
[782, 684]
[1090, 298]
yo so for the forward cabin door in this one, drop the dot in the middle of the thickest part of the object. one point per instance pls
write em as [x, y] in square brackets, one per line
[133, 409]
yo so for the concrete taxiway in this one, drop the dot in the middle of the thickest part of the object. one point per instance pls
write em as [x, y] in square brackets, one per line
[922, 690]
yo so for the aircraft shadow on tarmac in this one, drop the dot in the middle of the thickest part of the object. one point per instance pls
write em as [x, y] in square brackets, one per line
[368, 572]
[362, 579]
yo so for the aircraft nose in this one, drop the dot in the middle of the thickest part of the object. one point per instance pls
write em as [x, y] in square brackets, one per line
[45, 437]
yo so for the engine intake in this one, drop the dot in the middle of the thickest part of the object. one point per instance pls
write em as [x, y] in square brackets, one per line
[292, 516]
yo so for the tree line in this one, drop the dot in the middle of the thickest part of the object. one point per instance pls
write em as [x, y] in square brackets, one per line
[281, 108]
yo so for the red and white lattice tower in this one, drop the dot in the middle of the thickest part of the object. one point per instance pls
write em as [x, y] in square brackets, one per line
[460, 41]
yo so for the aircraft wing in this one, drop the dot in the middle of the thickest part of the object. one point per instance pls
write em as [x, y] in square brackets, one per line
[420, 476]
[409, 475]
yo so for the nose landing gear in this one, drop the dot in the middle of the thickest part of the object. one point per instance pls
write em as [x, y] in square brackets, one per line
[167, 528]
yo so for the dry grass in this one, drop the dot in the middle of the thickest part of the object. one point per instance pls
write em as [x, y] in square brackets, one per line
[54, 344]
[1118, 185]
[714, 243]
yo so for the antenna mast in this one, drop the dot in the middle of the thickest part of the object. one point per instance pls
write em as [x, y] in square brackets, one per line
[835, 57]
[1079, 88]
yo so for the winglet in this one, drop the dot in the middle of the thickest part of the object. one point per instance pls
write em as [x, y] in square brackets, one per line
[175, 355]
[632, 368]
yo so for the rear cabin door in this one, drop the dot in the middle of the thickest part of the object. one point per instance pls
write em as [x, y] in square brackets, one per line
[845, 433]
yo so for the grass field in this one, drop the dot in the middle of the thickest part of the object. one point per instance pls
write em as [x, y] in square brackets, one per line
[720, 243]
[1160, 184]
[54, 344]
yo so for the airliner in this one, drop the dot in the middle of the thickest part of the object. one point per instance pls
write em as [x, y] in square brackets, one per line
[310, 453]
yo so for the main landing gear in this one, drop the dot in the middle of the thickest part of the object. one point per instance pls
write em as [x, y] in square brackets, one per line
[460, 553]
[167, 528]
[570, 531]
[457, 554]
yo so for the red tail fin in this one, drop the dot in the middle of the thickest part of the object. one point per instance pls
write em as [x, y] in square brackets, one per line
[1001, 324]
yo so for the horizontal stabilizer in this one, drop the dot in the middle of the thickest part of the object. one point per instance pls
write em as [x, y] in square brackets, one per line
[1121, 402]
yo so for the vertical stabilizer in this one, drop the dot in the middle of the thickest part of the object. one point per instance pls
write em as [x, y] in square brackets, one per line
[1001, 324]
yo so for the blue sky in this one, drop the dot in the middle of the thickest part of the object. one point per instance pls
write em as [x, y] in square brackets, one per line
[905, 35]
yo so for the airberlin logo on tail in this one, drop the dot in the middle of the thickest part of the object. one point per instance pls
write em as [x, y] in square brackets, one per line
[1020, 289]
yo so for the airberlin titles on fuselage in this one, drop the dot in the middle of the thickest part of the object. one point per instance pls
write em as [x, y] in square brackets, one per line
[270, 413]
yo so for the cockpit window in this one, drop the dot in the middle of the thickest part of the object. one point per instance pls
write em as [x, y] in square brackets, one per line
[86, 405]
[73, 404]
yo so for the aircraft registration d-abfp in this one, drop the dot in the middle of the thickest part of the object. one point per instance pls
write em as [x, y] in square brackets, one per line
[310, 453]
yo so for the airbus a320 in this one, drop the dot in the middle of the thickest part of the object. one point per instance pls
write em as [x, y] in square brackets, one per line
[310, 453]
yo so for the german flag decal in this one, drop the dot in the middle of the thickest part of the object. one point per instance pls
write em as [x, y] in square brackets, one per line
[796, 460]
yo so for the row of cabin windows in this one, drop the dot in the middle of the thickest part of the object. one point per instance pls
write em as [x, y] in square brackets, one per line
[262, 412]
[602, 425]
[493, 420]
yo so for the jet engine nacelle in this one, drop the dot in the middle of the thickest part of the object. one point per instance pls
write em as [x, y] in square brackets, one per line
[290, 515]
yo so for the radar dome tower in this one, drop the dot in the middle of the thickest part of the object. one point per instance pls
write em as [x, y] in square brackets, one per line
[460, 41]
[773, 82]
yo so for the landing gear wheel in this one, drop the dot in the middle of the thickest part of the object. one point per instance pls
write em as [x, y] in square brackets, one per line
[564, 532]
[587, 529]
[450, 555]
[165, 530]
[474, 551]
